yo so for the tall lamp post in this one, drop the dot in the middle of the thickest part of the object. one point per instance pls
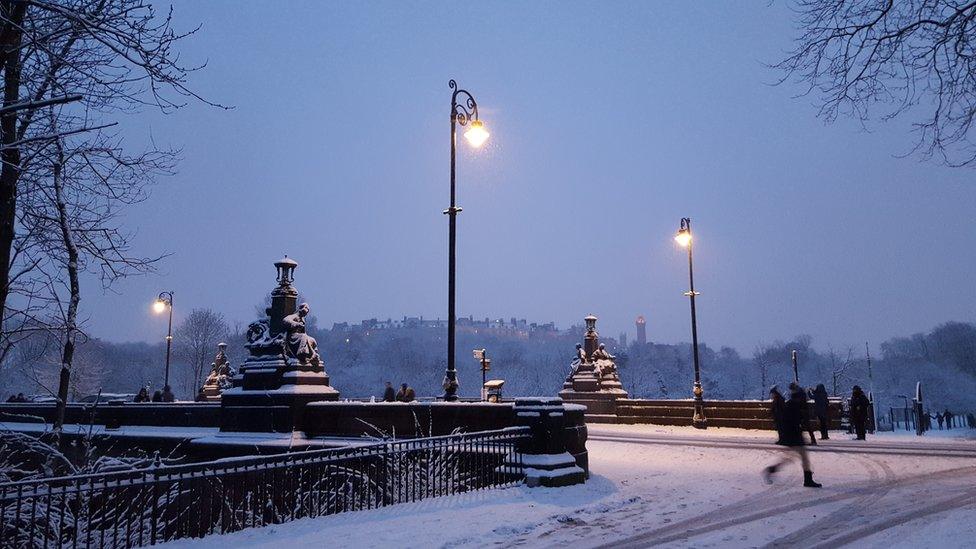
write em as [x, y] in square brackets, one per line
[163, 302]
[464, 110]
[683, 238]
[796, 371]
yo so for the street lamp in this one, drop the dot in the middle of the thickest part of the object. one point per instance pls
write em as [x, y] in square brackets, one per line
[462, 112]
[796, 371]
[163, 302]
[683, 238]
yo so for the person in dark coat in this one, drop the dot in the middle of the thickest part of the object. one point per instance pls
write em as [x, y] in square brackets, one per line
[941, 419]
[947, 415]
[859, 412]
[157, 396]
[821, 406]
[405, 394]
[791, 424]
[389, 394]
[168, 395]
[142, 395]
[777, 404]
[795, 388]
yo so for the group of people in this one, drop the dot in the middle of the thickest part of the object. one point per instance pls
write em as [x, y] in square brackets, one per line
[945, 418]
[166, 395]
[790, 417]
[405, 394]
[19, 397]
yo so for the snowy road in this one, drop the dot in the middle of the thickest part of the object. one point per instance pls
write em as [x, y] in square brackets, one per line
[683, 488]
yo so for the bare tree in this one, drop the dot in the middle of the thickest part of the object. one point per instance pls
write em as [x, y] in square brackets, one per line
[840, 368]
[97, 56]
[763, 357]
[196, 342]
[867, 58]
[71, 204]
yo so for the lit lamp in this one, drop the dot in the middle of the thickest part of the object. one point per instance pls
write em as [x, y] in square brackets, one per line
[464, 112]
[683, 238]
[163, 302]
[477, 134]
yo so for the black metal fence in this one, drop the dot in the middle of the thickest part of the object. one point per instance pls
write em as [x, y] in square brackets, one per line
[143, 507]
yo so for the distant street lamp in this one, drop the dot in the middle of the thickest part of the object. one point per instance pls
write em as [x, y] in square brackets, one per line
[163, 302]
[683, 238]
[461, 113]
[796, 372]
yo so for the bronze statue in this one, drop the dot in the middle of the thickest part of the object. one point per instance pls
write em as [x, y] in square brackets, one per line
[602, 354]
[260, 343]
[300, 345]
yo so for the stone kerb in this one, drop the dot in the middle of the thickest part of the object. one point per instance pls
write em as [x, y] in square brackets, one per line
[545, 457]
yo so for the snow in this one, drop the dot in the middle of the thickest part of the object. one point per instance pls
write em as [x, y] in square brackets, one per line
[705, 491]
[548, 460]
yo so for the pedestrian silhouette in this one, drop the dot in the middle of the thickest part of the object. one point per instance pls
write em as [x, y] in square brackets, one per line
[790, 418]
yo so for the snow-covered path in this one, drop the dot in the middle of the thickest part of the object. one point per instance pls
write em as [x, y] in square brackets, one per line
[681, 488]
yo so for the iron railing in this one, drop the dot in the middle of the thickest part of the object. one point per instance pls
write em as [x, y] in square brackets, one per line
[148, 506]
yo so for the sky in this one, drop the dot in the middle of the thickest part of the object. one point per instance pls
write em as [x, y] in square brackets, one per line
[609, 122]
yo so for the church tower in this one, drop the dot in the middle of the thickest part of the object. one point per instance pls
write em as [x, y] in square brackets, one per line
[641, 330]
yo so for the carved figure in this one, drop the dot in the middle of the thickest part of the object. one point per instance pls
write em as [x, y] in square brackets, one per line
[579, 359]
[602, 354]
[259, 340]
[300, 345]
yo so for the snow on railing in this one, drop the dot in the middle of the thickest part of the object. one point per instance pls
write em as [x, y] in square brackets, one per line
[148, 506]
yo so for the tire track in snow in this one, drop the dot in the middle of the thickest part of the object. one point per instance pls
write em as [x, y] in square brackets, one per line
[694, 527]
[840, 521]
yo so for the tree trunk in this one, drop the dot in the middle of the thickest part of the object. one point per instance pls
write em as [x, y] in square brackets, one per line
[71, 317]
[10, 39]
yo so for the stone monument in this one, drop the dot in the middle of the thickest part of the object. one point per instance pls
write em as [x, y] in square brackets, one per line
[283, 371]
[221, 375]
[593, 380]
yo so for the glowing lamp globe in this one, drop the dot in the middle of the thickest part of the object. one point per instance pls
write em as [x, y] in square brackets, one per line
[159, 306]
[476, 134]
[683, 238]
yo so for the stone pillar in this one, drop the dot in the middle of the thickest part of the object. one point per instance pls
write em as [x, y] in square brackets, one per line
[545, 456]
[591, 339]
[284, 297]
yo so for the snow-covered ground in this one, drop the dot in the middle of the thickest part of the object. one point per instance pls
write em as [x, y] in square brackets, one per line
[681, 487]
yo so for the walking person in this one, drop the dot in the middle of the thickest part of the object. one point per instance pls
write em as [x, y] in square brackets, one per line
[947, 415]
[790, 418]
[795, 388]
[821, 405]
[941, 419]
[389, 394]
[859, 412]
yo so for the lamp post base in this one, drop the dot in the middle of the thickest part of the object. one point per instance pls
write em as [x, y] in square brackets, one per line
[450, 386]
[698, 420]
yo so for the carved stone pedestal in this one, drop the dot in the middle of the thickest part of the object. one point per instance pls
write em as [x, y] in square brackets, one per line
[283, 372]
[546, 457]
[593, 380]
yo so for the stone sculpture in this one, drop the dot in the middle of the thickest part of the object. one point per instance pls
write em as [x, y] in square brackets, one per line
[301, 346]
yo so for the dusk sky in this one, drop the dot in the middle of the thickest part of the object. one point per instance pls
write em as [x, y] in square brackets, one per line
[609, 122]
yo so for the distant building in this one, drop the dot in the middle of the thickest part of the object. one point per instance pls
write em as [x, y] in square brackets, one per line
[641, 330]
[518, 327]
[623, 340]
